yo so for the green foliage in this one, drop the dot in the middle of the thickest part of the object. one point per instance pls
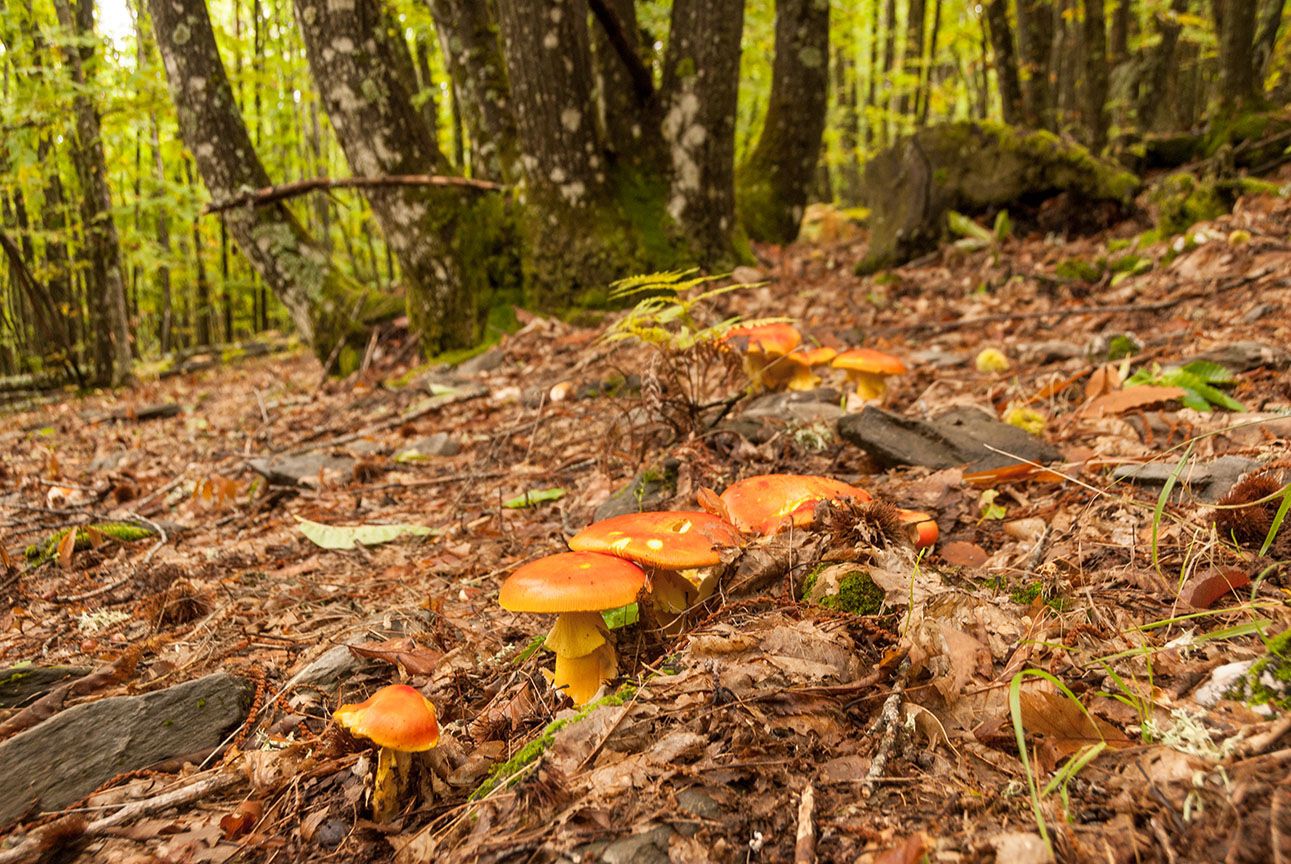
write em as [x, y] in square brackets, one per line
[666, 317]
[1076, 268]
[1198, 379]
[975, 238]
[122, 532]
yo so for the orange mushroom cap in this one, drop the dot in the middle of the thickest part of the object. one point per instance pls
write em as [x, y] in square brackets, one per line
[397, 717]
[759, 504]
[669, 540]
[771, 339]
[572, 582]
[869, 360]
[923, 526]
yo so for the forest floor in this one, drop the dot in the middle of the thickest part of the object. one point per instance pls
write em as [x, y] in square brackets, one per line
[758, 734]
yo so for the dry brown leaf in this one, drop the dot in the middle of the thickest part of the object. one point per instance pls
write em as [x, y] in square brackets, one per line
[1204, 590]
[1129, 399]
[1064, 724]
[243, 818]
[963, 554]
[66, 547]
[908, 851]
[400, 652]
[1104, 380]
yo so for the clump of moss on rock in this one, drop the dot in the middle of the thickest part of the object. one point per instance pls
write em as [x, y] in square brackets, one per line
[844, 588]
[1182, 199]
[1269, 681]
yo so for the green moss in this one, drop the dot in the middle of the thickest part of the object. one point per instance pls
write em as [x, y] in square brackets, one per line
[1182, 200]
[124, 532]
[1026, 594]
[1075, 268]
[856, 592]
[1269, 681]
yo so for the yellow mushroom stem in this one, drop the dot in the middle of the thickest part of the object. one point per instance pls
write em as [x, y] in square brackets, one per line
[394, 767]
[584, 656]
[672, 595]
[869, 385]
[803, 378]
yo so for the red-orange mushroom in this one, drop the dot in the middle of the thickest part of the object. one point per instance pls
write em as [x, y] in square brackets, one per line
[761, 504]
[577, 586]
[802, 362]
[400, 721]
[764, 357]
[868, 370]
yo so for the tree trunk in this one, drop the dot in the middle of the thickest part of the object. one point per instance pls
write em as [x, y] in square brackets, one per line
[1095, 39]
[1006, 66]
[701, 80]
[1152, 108]
[871, 85]
[845, 97]
[774, 182]
[1236, 67]
[622, 90]
[912, 62]
[1266, 38]
[889, 63]
[326, 306]
[439, 235]
[1119, 50]
[925, 89]
[468, 36]
[100, 229]
[1035, 42]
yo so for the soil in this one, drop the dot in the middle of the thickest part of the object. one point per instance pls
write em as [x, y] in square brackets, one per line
[1056, 607]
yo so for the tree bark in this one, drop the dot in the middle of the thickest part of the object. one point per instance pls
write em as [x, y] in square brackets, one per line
[912, 62]
[845, 97]
[325, 305]
[468, 36]
[1006, 65]
[624, 94]
[1095, 38]
[1236, 67]
[1266, 37]
[1035, 41]
[924, 93]
[774, 181]
[100, 229]
[700, 95]
[1119, 50]
[438, 234]
[1152, 107]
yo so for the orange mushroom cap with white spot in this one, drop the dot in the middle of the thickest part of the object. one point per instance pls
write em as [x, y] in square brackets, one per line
[770, 339]
[669, 540]
[760, 504]
[572, 582]
[869, 360]
[397, 717]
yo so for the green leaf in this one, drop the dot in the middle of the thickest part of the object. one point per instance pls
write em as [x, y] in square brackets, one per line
[965, 227]
[621, 617]
[534, 496]
[346, 536]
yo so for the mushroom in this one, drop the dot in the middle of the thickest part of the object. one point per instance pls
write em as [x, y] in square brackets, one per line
[577, 586]
[767, 345]
[678, 548]
[400, 721]
[868, 370]
[801, 362]
[760, 504]
[923, 529]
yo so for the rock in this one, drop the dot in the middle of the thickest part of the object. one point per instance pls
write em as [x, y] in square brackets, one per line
[25, 683]
[332, 667]
[699, 804]
[649, 847]
[74, 752]
[439, 444]
[973, 167]
[745, 275]
[366, 447]
[486, 361]
[1206, 481]
[1049, 351]
[301, 470]
[1244, 355]
[796, 406]
[1020, 847]
[649, 490]
[1222, 680]
[958, 437]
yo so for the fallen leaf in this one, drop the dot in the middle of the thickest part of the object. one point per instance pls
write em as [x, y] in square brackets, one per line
[400, 652]
[66, 547]
[908, 851]
[963, 554]
[1138, 396]
[345, 536]
[1064, 724]
[243, 818]
[1203, 591]
[534, 496]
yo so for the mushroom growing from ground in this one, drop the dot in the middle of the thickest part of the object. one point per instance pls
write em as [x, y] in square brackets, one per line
[400, 721]
[760, 504]
[802, 362]
[678, 548]
[868, 370]
[764, 357]
[577, 586]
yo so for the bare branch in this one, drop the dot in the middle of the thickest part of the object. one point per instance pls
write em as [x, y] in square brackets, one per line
[273, 194]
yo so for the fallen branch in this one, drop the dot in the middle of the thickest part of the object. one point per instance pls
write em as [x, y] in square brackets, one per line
[804, 847]
[889, 724]
[273, 194]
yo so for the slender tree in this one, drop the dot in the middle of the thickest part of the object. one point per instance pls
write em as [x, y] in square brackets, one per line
[1094, 31]
[326, 306]
[1266, 38]
[1035, 43]
[774, 182]
[1006, 66]
[1236, 64]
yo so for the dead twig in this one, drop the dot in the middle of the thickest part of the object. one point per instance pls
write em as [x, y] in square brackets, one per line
[273, 194]
[888, 724]
[804, 847]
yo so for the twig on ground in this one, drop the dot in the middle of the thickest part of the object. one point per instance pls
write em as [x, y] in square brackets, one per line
[888, 723]
[804, 847]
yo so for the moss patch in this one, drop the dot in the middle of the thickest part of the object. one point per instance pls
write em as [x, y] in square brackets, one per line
[123, 532]
[1269, 680]
[844, 588]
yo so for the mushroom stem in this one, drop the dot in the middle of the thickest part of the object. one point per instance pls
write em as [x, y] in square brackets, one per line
[584, 657]
[393, 770]
[869, 386]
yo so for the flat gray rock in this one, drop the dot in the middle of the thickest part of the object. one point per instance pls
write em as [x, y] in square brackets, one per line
[1206, 481]
[439, 444]
[24, 683]
[74, 752]
[796, 406]
[1244, 355]
[333, 666]
[300, 470]
[958, 437]
[486, 361]
[649, 490]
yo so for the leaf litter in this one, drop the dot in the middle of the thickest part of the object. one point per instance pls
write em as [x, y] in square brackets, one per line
[772, 728]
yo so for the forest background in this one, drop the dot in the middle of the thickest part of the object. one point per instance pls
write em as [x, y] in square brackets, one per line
[524, 152]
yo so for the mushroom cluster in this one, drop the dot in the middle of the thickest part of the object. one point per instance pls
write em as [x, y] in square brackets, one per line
[775, 358]
[670, 559]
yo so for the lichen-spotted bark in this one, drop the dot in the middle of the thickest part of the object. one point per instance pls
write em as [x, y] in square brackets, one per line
[700, 90]
[772, 184]
[325, 305]
[363, 67]
[468, 35]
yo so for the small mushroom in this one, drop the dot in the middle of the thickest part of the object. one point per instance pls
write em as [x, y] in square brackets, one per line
[923, 529]
[767, 347]
[400, 721]
[764, 503]
[679, 550]
[577, 586]
[868, 370]
[802, 362]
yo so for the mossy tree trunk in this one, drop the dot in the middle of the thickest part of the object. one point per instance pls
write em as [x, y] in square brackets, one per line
[699, 97]
[1266, 38]
[1153, 110]
[326, 306]
[1236, 38]
[438, 234]
[845, 97]
[468, 35]
[772, 184]
[1006, 63]
[112, 358]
